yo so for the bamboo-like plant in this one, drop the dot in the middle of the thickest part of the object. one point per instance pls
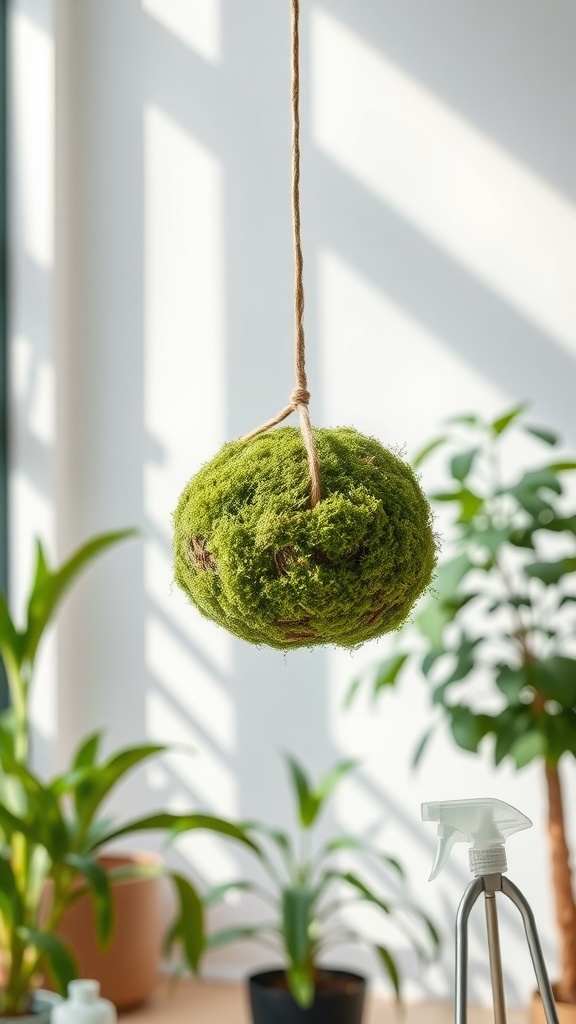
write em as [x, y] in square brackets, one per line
[309, 889]
[497, 638]
[51, 832]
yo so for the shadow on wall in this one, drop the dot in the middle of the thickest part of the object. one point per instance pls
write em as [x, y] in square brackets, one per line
[180, 318]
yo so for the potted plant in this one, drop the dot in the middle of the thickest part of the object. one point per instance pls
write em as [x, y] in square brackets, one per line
[308, 888]
[52, 832]
[504, 614]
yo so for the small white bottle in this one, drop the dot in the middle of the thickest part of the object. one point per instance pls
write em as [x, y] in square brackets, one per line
[84, 1005]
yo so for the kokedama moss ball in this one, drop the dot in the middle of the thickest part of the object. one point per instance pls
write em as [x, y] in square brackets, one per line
[253, 555]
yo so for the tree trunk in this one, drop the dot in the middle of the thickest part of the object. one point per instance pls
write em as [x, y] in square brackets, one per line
[563, 889]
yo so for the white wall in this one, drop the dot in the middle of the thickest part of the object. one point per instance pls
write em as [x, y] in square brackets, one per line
[438, 188]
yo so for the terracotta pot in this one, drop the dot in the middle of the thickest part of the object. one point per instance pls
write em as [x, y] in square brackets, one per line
[129, 968]
[339, 999]
[566, 1011]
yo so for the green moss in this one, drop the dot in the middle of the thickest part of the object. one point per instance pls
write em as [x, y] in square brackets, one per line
[253, 556]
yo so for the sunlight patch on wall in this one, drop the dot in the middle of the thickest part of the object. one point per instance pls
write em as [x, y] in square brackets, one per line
[200, 776]
[192, 688]
[32, 133]
[33, 385]
[485, 208]
[184, 323]
[378, 363]
[190, 782]
[212, 645]
[209, 856]
[31, 370]
[194, 22]
[184, 412]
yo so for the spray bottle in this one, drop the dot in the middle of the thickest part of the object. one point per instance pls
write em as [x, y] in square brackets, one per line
[84, 1005]
[486, 824]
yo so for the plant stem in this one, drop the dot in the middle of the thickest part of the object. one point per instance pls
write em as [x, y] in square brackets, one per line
[562, 885]
[18, 687]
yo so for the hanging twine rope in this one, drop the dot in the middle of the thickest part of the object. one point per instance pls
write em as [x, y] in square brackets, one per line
[300, 396]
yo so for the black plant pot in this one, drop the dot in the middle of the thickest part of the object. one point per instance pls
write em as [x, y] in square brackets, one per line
[339, 999]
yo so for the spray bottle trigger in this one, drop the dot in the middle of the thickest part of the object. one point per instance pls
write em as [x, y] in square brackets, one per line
[447, 836]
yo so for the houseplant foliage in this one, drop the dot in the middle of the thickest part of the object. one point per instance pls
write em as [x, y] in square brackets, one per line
[496, 641]
[308, 887]
[51, 832]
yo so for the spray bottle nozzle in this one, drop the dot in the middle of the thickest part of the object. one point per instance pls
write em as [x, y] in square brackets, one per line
[485, 824]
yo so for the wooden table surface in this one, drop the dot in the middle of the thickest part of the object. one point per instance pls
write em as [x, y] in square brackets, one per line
[209, 1002]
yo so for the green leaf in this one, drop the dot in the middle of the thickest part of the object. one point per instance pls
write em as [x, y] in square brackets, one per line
[297, 912]
[470, 505]
[422, 745]
[278, 837]
[555, 679]
[560, 733]
[446, 495]
[352, 692]
[96, 786]
[468, 728]
[468, 419]
[535, 479]
[340, 843]
[430, 927]
[45, 810]
[49, 587]
[522, 538]
[99, 885]
[8, 729]
[427, 450]
[226, 935]
[542, 434]
[388, 671]
[389, 964]
[464, 659]
[190, 923]
[450, 574]
[518, 601]
[512, 723]
[535, 506]
[365, 892]
[462, 463]
[551, 572]
[560, 523]
[527, 493]
[128, 872]
[455, 604]
[332, 778]
[11, 904]
[500, 424]
[176, 824]
[562, 467]
[307, 801]
[11, 641]
[11, 823]
[528, 747]
[35, 811]
[431, 621]
[218, 892]
[429, 661]
[511, 681]
[490, 538]
[87, 753]
[301, 984]
[59, 961]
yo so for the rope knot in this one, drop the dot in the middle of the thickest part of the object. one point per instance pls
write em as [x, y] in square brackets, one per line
[299, 397]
